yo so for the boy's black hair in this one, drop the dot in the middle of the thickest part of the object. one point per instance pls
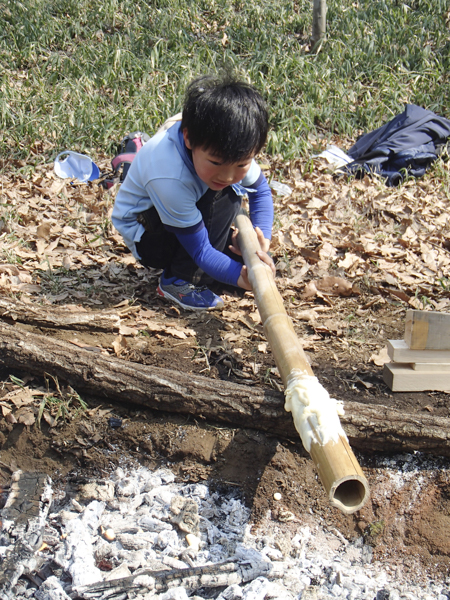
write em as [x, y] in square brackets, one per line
[225, 116]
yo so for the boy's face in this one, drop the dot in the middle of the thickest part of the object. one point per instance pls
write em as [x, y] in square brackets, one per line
[213, 171]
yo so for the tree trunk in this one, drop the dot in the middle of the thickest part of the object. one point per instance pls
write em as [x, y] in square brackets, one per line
[319, 22]
[369, 428]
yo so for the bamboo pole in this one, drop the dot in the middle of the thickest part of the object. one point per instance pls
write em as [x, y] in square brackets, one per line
[315, 414]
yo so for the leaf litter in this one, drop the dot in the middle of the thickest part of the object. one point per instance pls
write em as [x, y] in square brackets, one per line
[352, 256]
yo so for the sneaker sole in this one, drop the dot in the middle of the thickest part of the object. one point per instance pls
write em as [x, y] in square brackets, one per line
[168, 296]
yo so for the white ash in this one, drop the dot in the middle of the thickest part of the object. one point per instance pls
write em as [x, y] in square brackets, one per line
[151, 515]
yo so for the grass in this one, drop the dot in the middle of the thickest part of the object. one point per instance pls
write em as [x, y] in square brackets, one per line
[65, 405]
[57, 404]
[80, 74]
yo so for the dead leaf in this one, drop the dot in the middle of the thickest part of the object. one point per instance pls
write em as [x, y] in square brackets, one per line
[415, 302]
[56, 187]
[366, 384]
[349, 261]
[67, 263]
[20, 398]
[310, 290]
[310, 255]
[255, 316]
[399, 294]
[52, 245]
[25, 416]
[119, 345]
[125, 330]
[390, 280]
[23, 210]
[49, 419]
[10, 269]
[5, 409]
[58, 297]
[316, 203]
[25, 277]
[306, 315]
[231, 337]
[327, 251]
[230, 315]
[30, 289]
[43, 231]
[178, 333]
[335, 286]
[381, 358]
[41, 245]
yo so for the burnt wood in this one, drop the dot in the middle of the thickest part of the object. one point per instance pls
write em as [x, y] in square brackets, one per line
[23, 520]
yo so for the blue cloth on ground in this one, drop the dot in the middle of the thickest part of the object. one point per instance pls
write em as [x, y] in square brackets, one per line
[406, 145]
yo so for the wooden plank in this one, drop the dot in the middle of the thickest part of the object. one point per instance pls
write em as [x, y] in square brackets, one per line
[426, 330]
[437, 367]
[403, 378]
[399, 352]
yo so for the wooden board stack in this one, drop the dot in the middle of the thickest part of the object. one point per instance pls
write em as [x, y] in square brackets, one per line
[421, 361]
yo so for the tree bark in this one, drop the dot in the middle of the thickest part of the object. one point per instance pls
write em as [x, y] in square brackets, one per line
[369, 428]
[319, 22]
[105, 320]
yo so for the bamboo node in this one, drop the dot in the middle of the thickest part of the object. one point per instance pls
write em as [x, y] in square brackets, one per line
[315, 414]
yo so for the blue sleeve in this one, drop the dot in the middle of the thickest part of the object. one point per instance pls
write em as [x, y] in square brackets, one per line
[261, 206]
[196, 242]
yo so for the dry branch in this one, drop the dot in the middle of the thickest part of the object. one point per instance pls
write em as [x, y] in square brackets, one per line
[13, 310]
[369, 428]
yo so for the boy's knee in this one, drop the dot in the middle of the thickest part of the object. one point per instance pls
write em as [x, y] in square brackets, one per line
[157, 248]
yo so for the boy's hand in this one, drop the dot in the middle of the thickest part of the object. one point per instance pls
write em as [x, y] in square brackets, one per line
[263, 242]
[243, 281]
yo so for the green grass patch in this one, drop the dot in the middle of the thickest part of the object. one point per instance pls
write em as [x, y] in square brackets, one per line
[79, 75]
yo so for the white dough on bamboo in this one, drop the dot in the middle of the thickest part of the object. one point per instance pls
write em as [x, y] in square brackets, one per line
[315, 414]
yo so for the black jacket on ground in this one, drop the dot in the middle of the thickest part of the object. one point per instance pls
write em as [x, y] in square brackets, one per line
[406, 145]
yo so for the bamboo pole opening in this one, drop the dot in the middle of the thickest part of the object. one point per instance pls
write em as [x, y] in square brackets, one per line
[341, 476]
[349, 495]
[315, 414]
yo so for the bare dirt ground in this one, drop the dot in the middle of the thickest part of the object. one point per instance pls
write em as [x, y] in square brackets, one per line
[387, 249]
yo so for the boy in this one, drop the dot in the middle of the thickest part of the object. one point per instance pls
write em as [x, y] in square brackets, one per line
[184, 188]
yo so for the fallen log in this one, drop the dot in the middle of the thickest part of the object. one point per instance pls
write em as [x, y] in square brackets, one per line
[60, 317]
[369, 428]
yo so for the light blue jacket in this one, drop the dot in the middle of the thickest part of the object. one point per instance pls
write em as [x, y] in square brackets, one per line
[162, 175]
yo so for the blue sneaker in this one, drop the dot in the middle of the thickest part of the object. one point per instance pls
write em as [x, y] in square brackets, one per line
[187, 295]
